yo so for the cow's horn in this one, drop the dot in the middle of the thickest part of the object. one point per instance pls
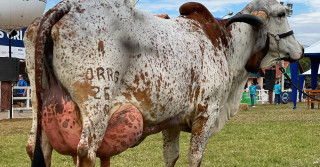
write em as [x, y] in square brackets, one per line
[255, 21]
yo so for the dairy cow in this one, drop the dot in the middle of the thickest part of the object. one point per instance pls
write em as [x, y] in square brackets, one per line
[105, 75]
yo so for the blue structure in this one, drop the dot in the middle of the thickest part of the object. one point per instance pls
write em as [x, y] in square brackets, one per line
[313, 52]
[294, 77]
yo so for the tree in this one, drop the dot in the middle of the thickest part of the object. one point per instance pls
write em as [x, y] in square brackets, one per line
[305, 64]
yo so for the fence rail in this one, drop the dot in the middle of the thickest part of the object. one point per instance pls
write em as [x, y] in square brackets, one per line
[18, 110]
[263, 96]
[26, 99]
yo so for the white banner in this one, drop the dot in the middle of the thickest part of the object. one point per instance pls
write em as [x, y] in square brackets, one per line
[17, 52]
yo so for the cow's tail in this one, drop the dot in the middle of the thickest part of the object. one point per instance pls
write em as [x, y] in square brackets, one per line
[43, 50]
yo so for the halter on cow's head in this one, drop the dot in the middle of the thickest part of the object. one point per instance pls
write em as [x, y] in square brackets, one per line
[275, 40]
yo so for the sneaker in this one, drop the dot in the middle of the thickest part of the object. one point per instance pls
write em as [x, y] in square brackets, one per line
[253, 106]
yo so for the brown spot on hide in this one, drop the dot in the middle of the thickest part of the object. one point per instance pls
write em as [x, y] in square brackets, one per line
[50, 120]
[202, 108]
[142, 77]
[163, 108]
[261, 14]
[82, 90]
[159, 84]
[132, 117]
[253, 64]
[202, 92]
[136, 80]
[144, 98]
[101, 47]
[197, 93]
[80, 10]
[65, 123]
[192, 75]
[197, 128]
[127, 95]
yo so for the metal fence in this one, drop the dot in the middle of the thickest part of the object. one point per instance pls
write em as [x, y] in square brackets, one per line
[18, 111]
[26, 99]
[263, 96]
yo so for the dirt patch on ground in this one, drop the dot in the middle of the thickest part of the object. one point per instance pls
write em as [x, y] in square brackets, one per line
[243, 107]
[15, 126]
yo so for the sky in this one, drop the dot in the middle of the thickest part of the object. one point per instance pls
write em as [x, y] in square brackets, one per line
[305, 21]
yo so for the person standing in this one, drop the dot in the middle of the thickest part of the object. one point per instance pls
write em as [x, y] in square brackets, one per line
[252, 91]
[21, 92]
[277, 89]
[258, 87]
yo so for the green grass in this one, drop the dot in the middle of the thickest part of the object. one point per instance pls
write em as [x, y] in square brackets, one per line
[268, 135]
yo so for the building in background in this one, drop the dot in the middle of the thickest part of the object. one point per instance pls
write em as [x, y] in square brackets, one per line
[17, 51]
[17, 45]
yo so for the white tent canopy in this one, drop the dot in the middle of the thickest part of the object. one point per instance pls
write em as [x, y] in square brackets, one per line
[309, 72]
[315, 48]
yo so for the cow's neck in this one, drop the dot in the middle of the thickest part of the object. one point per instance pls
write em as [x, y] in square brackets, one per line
[241, 46]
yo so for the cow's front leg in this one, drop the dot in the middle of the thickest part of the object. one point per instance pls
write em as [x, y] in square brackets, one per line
[170, 146]
[201, 132]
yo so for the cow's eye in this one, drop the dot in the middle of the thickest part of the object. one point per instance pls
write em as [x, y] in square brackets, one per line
[282, 14]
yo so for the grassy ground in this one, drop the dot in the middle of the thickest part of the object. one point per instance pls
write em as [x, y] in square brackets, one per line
[269, 135]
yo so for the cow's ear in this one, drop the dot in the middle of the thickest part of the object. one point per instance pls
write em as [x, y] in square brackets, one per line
[260, 50]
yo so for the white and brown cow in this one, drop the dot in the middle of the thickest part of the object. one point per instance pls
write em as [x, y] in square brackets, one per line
[105, 75]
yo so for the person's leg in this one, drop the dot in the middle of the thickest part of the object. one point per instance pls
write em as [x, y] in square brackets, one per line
[278, 98]
[252, 99]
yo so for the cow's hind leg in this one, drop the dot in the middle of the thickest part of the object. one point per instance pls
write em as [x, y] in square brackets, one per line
[170, 146]
[45, 145]
[46, 149]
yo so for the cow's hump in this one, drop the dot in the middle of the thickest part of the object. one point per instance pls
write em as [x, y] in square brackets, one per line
[191, 8]
[211, 26]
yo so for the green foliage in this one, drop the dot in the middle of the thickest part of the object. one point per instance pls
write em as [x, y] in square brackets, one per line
[305, 64]
[268, 135]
